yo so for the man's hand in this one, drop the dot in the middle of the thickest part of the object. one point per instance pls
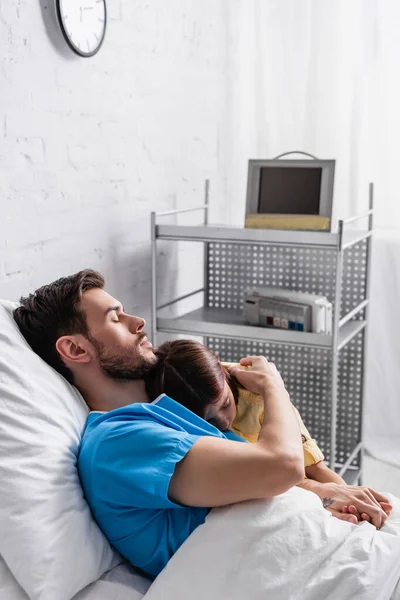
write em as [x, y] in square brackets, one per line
[363, 503]
[258, 375]
[352, 503]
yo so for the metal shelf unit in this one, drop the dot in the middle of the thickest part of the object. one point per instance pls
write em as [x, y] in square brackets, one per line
[324, 374]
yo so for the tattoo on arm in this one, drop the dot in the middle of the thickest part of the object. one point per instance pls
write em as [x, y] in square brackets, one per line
[327, 502]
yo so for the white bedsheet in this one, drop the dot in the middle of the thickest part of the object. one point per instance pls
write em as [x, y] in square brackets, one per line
[121, 583]
[288, 548]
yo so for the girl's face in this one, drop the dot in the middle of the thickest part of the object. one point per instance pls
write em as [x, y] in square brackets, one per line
[222, 413]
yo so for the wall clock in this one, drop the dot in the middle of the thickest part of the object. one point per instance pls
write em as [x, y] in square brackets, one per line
[83, 24]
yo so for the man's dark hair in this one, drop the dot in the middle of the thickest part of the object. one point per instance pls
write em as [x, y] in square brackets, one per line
[54, 310]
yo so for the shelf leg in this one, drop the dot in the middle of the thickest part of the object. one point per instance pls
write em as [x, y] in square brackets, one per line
[335, 351]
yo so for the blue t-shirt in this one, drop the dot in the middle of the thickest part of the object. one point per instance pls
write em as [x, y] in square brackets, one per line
[127, 458]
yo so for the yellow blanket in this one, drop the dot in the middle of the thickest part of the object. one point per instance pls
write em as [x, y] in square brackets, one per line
[249, 418]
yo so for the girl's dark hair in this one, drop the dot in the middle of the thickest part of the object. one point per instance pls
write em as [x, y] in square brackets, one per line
[55, 310]
[189, 373]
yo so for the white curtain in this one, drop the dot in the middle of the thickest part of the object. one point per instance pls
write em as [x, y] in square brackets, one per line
[324, 77]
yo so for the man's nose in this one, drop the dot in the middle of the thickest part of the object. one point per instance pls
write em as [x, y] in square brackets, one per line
[137, 324]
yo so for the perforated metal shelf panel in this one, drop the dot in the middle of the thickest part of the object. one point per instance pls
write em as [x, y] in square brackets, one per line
[233, 268]
[350, 396]
[354, 278]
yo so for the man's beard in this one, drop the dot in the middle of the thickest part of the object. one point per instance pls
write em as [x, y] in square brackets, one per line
[123, 365]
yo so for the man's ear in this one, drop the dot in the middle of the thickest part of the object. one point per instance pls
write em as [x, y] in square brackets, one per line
[74, 348]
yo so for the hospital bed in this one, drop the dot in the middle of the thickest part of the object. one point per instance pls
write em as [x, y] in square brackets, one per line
[52, 549]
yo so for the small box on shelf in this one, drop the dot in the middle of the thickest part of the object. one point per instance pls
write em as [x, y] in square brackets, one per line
[287, 309]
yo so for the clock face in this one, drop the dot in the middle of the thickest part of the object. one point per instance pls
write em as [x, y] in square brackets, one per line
[83, 24]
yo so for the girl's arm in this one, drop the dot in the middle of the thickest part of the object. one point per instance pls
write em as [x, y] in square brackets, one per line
[320, 472]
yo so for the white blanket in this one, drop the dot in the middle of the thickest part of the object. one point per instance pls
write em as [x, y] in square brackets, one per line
[283, 549]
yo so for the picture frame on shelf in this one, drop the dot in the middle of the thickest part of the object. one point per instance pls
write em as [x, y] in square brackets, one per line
[290, 194]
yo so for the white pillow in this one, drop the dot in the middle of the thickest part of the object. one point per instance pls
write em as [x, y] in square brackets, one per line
[123, 582]
[48, 537]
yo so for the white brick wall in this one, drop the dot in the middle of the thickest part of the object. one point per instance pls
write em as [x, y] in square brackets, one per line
[88, 147]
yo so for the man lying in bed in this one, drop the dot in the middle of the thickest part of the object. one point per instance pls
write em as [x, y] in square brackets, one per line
[151, 472]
